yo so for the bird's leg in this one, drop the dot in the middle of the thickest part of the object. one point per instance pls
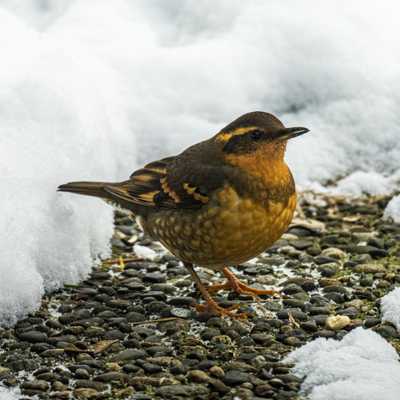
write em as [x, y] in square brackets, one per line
[211, 305]
[239, 287]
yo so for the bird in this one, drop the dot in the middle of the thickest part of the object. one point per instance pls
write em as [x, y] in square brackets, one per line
[217, 204]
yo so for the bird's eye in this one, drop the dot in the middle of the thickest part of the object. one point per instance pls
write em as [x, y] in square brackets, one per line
[256, 135]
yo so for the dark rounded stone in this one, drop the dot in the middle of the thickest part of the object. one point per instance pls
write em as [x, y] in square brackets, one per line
[39, 385]
[320, 319]
[319, 310]
[85, 383]
[293, 303]
[371, 321]
[114, 334]
[308, 285]
[111, 376]
[234, 377]
[292, 288]
[296, 314]
[130, 354]
[264, 390]
[131, 368]
[155, 294]
[33, 336]
[209, 333]
[309, 326]
[328, 270]
[387, 331]
[335, 297]
[150, 367]
[82, 373]
[134, 316]
[262, 338]
[154, 277]
[324, 260]
[301, 244]
[182, 301]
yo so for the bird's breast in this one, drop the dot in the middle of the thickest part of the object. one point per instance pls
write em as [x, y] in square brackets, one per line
[231, 229]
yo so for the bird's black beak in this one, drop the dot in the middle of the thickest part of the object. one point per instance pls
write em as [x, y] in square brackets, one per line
[289, 133]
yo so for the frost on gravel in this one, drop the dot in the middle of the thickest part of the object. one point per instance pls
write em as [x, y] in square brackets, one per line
[361, 366]
[390, 308]
[92, 91]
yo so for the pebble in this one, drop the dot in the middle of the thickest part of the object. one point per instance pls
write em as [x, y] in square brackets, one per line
[333, 252]
[233, 377]
[198, 376]
[35, 385]
[90, 384]
[371, 322]
[370, 268]
[301, 244]
[217, 371]
[85, 393]
[328, 270]
[387, 331]
[337, 322]
[129, 354]
[33, 336]
[111, 376]
[154, 277]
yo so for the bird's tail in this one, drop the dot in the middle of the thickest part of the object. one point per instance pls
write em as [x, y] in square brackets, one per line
[96, 189]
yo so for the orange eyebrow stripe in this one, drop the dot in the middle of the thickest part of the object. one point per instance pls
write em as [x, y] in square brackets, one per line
[225, 136]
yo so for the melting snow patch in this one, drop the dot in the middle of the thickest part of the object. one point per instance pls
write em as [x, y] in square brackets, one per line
[145, 252]
[392, 210]
[361, 366]
[390, 307]
[9, 394]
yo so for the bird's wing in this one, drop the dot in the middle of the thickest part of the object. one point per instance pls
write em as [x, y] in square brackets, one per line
[169, 183]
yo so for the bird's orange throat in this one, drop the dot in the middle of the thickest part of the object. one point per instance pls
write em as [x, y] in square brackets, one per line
[267, 163]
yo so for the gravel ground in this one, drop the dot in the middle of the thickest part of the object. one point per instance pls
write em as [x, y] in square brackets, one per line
[132, 332]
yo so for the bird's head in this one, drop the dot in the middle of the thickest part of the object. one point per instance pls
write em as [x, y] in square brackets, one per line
[254, 136]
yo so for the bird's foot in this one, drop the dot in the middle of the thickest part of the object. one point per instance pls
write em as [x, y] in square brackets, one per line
[212, 307]
[217, 287]
[239, 287]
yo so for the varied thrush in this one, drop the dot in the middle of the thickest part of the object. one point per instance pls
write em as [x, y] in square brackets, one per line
[219, 203]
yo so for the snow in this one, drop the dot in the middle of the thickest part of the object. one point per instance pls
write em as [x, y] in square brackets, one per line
[392, 210]
[9, 394]
[91, 92]
[390, 307]
[363, 182]
[361, 366]
[144, 252]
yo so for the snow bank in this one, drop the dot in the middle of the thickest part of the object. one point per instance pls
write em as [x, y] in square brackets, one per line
[57, 124]
[90, 92]
[392, 210]
[361, 366]
[363, 182]
[390, 307]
